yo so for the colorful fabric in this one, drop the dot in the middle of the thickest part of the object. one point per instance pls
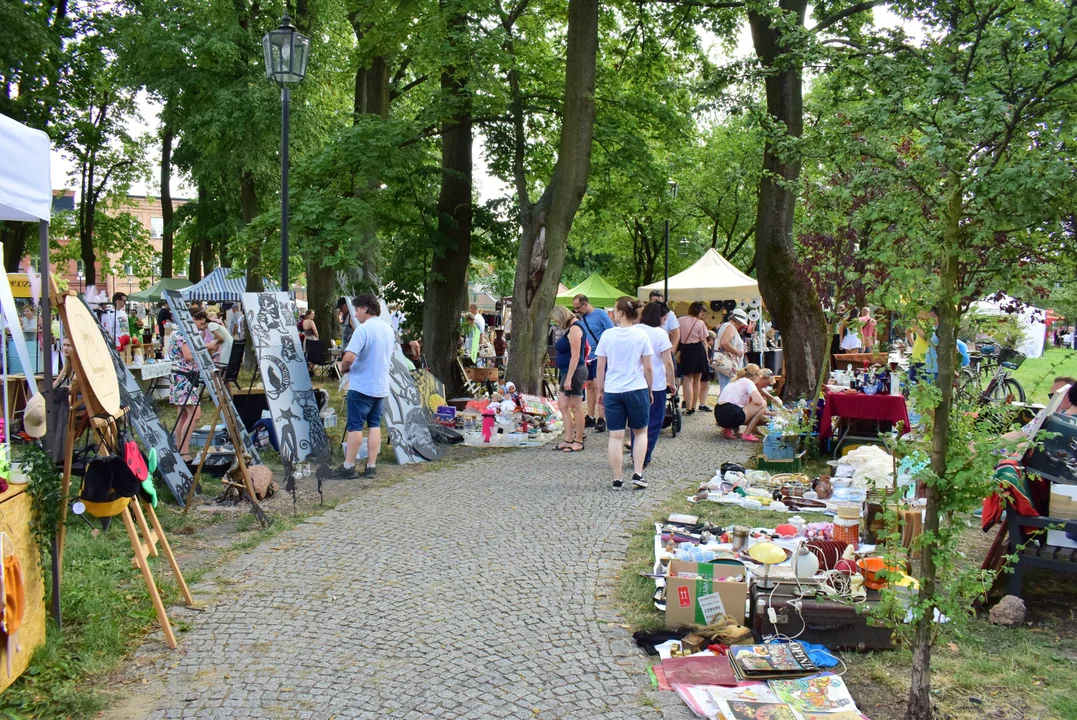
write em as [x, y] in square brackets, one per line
[1016, 492]
[181, 389]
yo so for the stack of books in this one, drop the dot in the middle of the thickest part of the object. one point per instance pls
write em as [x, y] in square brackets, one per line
[763, 662]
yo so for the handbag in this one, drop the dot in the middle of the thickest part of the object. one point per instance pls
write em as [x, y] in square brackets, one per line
[723, 362]
[107, 478]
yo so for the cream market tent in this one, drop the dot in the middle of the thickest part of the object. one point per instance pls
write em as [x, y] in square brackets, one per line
[712, 277]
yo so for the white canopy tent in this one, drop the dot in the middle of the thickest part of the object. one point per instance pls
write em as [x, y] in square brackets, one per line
[1032, 319]
[26, 196]
[712, 277]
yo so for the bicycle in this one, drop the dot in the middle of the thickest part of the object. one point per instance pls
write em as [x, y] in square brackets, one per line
[1002, 388]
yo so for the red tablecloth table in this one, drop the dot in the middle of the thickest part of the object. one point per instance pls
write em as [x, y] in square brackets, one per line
[858, 406]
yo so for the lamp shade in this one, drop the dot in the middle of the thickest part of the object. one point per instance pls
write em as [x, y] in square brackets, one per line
[286, 53]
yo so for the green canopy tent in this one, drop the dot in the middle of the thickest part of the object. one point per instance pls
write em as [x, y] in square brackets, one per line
[153, 292]
[599, 292]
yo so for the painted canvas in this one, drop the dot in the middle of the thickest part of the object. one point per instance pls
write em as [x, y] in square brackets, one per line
[147, 425]
[181, 316]
[289, 391]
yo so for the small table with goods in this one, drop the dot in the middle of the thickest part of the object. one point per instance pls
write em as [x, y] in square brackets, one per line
[849, 406]
[152, 376]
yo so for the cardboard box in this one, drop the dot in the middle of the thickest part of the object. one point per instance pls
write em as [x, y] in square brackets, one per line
[1063, 501]
[683, 593]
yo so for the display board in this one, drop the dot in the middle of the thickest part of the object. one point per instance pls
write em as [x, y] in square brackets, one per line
[409, 433]
[181, 316]
[289, 390]
[147, 425]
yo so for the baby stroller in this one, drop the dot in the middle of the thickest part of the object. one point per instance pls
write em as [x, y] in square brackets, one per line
[673, 413]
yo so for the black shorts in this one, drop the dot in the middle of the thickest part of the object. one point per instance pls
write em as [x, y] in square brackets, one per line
[729, 415]
[578, 379]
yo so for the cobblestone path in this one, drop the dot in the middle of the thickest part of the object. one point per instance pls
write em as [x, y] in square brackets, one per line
[484, 590]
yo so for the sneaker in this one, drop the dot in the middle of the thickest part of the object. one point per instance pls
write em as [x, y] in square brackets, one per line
[588, 422]
[618, 484]
[638, 481]
[600, 425]
[371, 471]
[689, 412]
[346, 473]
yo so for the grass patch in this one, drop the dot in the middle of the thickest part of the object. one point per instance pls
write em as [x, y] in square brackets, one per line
[979, 670]
[1036, 374]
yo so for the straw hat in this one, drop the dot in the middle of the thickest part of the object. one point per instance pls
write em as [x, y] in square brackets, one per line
[33, 418]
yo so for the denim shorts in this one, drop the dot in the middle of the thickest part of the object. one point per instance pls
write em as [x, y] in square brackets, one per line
[632, 408]
[363, 409]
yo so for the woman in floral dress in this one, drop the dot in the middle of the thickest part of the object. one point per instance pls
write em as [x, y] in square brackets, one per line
[183, 392]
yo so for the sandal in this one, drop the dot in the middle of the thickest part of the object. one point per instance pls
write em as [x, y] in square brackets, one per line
[748, 437]
[729, 434]
[571, 449]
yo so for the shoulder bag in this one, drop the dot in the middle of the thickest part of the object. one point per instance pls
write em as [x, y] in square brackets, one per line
[724, 363]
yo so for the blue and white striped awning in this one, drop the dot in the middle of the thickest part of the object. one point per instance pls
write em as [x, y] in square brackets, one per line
[217, 286]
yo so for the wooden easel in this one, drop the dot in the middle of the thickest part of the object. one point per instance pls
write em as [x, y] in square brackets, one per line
[104, 425]
[225, 409]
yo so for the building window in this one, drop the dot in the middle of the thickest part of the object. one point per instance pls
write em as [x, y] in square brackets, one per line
[128, 270]
[79, 267]
[35, 264]
[157, 227]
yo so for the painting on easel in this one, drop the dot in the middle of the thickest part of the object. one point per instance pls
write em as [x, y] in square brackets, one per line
[289, 391]
[206, 367]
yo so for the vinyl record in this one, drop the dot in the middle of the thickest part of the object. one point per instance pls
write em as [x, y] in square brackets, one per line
[729, 305]
[742, 304]
[755, 302]
[716, 305]
[753, 315]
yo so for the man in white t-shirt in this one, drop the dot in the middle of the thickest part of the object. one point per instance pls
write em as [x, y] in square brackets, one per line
[480, 321]
[115, 318]
[623, 382]
[367, 360]
[670, 324]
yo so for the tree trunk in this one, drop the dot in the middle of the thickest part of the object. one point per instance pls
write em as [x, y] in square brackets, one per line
[791, 300]
[194, 262]
[208, 256]
[248, 208]
[87, 209]
[13, 235]
[541, 255]
[445, 294]
[919, 704]
[321, 281]
[166, 202]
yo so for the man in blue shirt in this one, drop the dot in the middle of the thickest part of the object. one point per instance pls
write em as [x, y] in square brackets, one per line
[594, 322]
[367, 360]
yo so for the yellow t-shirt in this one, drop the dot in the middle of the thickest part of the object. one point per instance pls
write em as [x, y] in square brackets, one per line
[919, 348]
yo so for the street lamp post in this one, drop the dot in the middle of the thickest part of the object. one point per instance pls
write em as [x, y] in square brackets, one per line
[673, 193]
[286, 54]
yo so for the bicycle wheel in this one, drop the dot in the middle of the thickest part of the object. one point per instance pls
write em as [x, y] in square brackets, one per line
[1014, 388]
[967, 385]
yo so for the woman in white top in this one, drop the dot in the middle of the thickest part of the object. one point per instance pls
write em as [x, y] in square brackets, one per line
[741, 404]
[652, 322]
[623, 381]
[730, 343]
